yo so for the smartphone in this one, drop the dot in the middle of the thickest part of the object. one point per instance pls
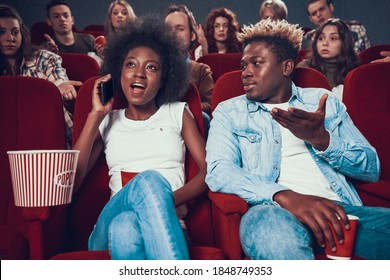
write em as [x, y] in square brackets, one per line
[106, 91]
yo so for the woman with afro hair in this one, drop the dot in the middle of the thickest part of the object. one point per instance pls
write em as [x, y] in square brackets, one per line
[143, 220]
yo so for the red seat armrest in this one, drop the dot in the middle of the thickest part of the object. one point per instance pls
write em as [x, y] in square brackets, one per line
[229, 203]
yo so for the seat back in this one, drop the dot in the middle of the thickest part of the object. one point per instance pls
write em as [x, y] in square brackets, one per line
[310, 77]
[79, 66]
[229, 85]
[221, 63]
[372, 53]
[94, 192]
[31, 117]
[94, 27]
[367, 97]
[38, 29]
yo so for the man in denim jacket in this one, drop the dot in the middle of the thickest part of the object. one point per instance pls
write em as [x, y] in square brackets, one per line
[287, 151]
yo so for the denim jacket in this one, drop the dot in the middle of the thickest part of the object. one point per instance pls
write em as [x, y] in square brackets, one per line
[243, 150]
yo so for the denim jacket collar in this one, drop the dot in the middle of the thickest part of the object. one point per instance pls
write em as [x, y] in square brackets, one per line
[254, 106]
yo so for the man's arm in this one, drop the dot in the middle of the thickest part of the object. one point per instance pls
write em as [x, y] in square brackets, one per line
[343, 147]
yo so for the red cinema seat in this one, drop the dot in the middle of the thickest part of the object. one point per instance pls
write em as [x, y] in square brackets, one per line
[32, 118]
[367, 97]
[309, 77]
[221, 63]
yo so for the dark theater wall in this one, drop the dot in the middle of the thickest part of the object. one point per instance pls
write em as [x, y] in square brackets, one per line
[373, 14]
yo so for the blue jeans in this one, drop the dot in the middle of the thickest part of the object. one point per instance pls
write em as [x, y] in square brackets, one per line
[272, 232]
[140, 222]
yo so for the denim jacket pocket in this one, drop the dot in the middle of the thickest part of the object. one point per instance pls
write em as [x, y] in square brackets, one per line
[250, 145]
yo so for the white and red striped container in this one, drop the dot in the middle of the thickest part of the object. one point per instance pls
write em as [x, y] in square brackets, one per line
[43, 177]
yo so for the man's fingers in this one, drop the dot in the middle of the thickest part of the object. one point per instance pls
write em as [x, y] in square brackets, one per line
[48, 38]
[75, 83]
[322, 103]
[288, 116]
[385, 53]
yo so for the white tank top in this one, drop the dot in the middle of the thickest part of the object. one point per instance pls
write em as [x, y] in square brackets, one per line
[137, 146]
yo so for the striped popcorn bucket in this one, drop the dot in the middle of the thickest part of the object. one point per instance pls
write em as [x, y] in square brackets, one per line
[42, 177]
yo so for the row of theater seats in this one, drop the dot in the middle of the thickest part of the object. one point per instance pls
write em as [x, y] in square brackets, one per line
[222, 63]
[81, 67]
[32, 118]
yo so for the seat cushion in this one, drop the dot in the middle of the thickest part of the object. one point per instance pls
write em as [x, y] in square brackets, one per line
[13, 245]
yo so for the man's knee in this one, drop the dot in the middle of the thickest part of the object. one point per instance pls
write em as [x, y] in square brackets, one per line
[273, 232]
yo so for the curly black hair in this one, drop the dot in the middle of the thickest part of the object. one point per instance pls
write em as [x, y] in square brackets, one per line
[152, 32]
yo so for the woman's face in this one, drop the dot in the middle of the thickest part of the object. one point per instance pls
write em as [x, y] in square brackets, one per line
[329, 44]
[10, 37]
[119, 16]
[141, 76]
[268, 13]
[221, 26]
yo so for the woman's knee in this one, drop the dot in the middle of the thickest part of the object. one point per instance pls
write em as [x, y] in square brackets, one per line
[123, 224]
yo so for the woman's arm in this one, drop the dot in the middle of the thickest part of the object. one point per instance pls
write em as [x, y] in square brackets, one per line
[90, 144]
[196, 146]
[202, 40]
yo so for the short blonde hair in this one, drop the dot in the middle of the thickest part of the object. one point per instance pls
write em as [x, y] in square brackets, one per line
[268, 28]
[283, 39]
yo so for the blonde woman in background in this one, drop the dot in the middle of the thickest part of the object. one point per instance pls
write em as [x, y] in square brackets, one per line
[119, 12]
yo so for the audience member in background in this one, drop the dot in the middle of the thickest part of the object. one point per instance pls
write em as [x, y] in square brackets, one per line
[289, 152]
[149, 137]
[321, 10]
[277, 10]
[333, 53]
[273, 9]
[18, 57]
[220, 35]
[60, 18]
[183, 22]
[119, 12]
[386, 57]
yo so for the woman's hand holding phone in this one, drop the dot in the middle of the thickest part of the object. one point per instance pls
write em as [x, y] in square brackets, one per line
[102, 97]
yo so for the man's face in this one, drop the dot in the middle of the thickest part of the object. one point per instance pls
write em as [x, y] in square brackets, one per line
[319, 12]
[179, 22]
[60, 19]
[262, 74]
